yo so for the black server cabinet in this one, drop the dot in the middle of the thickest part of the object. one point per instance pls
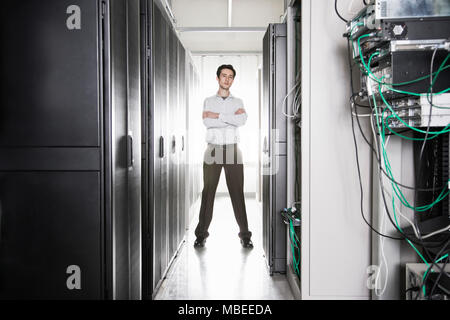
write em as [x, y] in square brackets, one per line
[63, 72]
[148, 149]
[172, 126]
[274, 147]
[182, 105]
[162, 83]
[134, 150]
[159, 108]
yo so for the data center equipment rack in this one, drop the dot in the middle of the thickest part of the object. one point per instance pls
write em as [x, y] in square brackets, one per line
[402, 49]
[274, 147]
[70, 150]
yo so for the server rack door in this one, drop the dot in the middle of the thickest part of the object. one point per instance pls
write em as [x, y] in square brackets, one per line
[50, 96]
[50, 181]
[182, 149]
[148, 147]
[274, 146]
[159, 80]
[173, 128]
[165, 165]
[190, 166]
[134, 148]
[160, 77]
[50, 245]
[119, 187]
[278, 147]
[265, 131]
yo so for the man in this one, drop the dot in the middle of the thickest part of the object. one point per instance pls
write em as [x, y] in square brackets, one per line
[222, 115]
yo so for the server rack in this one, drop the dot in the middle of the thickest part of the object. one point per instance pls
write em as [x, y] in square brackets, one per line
[182, 107]
[172, 134]
[274, 147]
[164, 213]
[159, 107]
[148, 149]
[64, 145]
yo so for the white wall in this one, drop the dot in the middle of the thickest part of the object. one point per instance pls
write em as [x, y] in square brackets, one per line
[335, 240]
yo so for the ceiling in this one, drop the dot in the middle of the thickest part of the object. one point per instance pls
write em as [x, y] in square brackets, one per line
[209, 26]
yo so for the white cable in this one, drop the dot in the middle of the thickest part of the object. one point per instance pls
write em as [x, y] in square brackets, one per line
[416, 231]
[382, 239]
[295, 203]
[284, 100]
[357, 114]
[384, 188]
[387, 142]
[361, 115]
[403, 216]
[447, 228]
[296, 103]
[384, 260]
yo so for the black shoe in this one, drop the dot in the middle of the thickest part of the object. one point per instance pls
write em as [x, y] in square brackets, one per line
[247, 243]
[199, 243]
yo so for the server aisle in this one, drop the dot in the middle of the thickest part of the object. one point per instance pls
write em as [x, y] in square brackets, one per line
[223, 270]
[97, 179]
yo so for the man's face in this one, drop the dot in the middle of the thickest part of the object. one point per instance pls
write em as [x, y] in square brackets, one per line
[226, 79]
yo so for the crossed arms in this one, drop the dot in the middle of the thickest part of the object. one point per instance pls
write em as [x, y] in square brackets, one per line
[220, 120]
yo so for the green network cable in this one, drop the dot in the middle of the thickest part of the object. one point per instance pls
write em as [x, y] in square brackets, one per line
[403, 122]
[294, 246]
[405, 137]
[392, 181]
[382, 131]
[387, 165]
[425, 274]
[394, 185]
[397, 190]
[294, 243]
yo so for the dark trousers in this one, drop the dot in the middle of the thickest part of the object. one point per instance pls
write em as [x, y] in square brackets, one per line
[228, 157]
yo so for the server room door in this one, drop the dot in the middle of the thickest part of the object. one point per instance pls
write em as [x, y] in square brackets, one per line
[50, 152]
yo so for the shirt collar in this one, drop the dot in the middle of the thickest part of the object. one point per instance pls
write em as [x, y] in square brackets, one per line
[221, 98]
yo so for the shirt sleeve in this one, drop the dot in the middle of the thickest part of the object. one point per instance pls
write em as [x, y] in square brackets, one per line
[236, 120]
[212, 123]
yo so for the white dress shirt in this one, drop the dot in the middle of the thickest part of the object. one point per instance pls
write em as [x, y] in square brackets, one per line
[223, 130]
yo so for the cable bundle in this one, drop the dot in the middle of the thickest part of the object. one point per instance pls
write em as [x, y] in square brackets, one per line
[292, 219]
[382, 115]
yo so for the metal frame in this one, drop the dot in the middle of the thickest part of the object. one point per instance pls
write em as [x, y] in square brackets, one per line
[290, 138]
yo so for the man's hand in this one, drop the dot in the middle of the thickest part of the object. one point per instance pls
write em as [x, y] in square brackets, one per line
[240, 111]
[210, 114]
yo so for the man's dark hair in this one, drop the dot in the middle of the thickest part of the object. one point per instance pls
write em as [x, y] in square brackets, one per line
[225, 66]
